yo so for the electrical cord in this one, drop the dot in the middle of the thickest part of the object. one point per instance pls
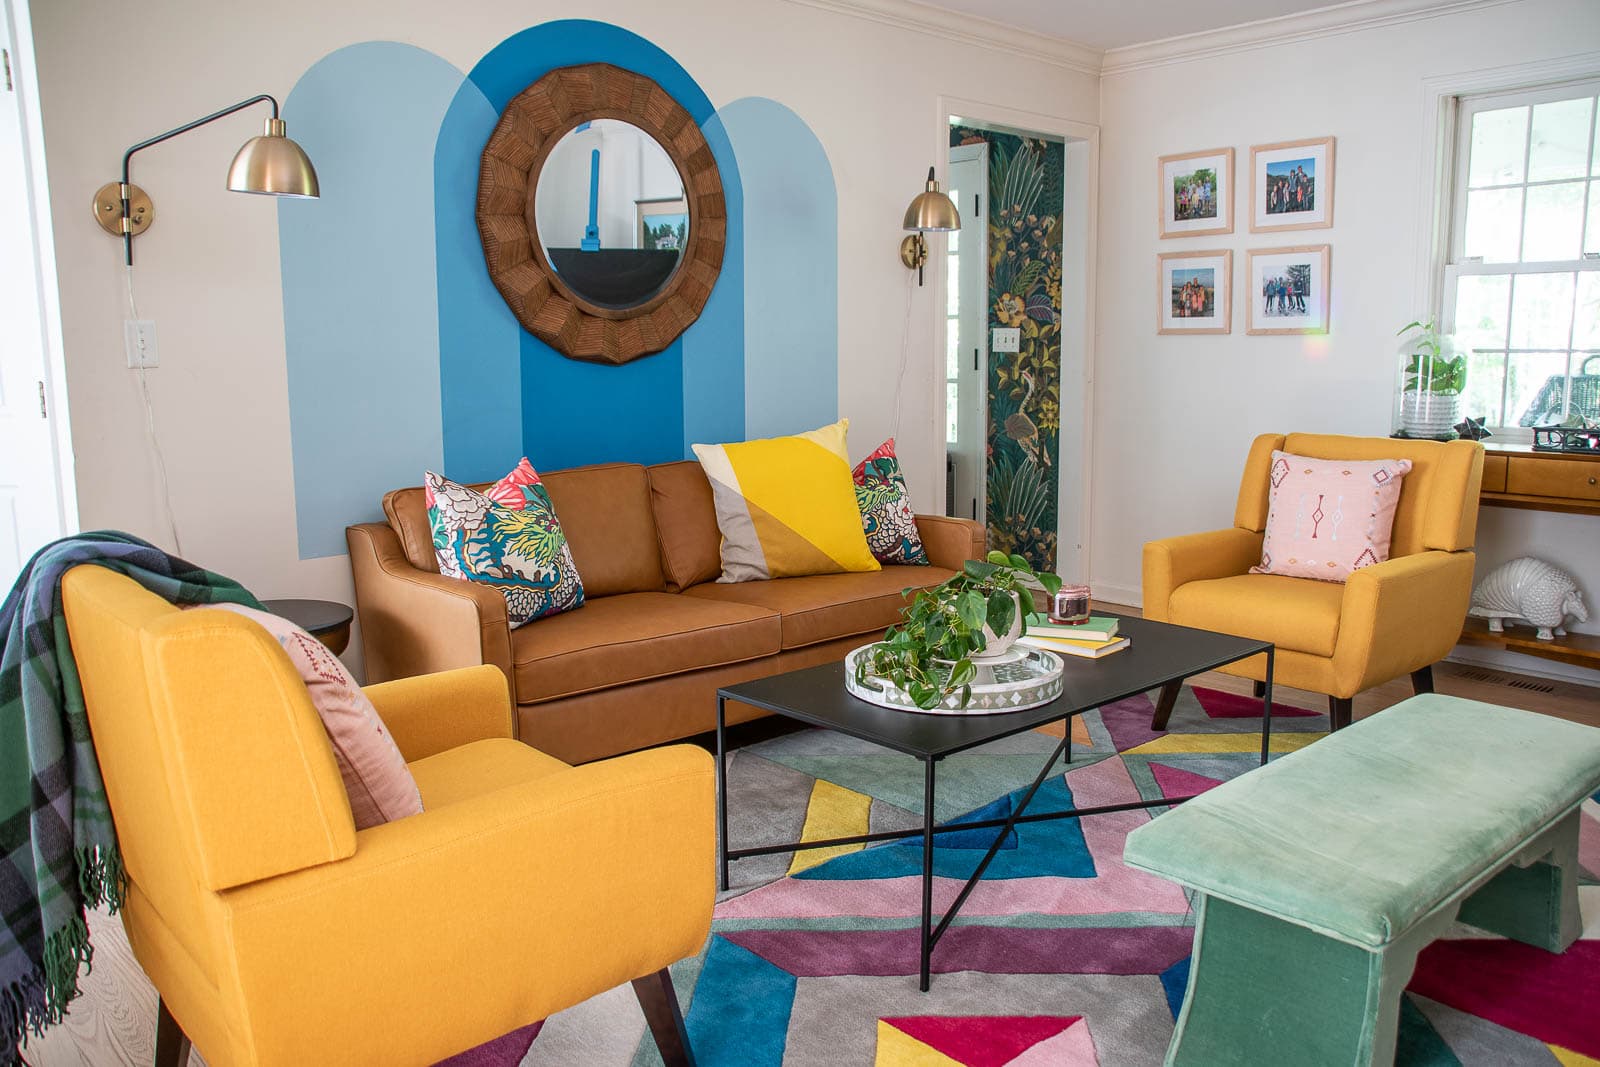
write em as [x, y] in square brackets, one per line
[905, 356]
[150, 421]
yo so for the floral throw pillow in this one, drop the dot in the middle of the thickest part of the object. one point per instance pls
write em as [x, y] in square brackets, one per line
[886, 515]
[509, 538]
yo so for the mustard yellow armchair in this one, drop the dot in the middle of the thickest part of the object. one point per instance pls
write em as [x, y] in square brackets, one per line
[1397, 617]
[276, 933]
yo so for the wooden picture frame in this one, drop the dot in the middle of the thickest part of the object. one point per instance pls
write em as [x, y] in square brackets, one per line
[1306, 174]
[1215, 212]
[1182, 303]
[529, 128]
[1287, 308]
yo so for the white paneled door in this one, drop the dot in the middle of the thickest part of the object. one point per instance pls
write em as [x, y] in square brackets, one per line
[966, 336]
[31, 511]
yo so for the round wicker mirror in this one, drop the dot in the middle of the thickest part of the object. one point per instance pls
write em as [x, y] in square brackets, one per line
[552, 303]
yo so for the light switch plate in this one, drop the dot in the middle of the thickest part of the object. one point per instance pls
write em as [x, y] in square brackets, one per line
[140, 337]
[1005, 339]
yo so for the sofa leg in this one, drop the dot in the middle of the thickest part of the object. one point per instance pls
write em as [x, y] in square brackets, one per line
[1164, 704]
[660, 1003]
[1259, 689]
[172, 1046]
[1422, 680]
[1340, 711]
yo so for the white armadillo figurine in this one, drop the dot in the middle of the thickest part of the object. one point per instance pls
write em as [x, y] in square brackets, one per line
[1532, 591]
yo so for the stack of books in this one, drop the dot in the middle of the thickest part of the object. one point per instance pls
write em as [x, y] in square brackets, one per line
[1089, 640]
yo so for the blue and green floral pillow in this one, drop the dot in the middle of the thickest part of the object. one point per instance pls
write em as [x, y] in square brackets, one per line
[509, 538]
[886, 515]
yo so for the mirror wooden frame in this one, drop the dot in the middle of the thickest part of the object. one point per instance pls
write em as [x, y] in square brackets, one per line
[529, 128]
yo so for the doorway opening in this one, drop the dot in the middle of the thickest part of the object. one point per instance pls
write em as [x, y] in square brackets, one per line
[1016, 331]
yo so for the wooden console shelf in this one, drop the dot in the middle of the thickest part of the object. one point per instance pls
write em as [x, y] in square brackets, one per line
[1580, 650]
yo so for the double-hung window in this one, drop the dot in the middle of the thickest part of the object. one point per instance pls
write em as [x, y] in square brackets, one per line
[1522, 285]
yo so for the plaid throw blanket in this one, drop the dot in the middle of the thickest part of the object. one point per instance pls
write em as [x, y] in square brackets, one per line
[58, 848]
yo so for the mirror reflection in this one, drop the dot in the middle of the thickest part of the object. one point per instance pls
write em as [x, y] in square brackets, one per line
[611, 214]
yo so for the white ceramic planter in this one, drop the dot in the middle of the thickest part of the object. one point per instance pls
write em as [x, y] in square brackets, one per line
[998, 646]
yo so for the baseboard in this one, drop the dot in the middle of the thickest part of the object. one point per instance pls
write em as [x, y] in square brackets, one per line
[1126, 595]
[1517, 663]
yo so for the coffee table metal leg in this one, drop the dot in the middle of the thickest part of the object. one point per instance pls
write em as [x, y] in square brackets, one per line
[722, 794]
[1266, 708]
[927, 870]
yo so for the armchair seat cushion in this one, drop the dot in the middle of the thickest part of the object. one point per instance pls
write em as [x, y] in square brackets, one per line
[617, 640]
[1293, 613]
[479, 767]
[825, 607]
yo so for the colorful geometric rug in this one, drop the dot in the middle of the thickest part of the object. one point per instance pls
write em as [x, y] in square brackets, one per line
[1061, 955]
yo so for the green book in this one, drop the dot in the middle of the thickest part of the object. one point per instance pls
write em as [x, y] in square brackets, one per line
[1098, 628]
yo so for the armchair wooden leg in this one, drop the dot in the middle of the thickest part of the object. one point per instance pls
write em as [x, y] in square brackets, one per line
[1164, 704]
[1422, 680]
[1340, 711]
[172, 1045]
[1259, 689]
[660, 1003]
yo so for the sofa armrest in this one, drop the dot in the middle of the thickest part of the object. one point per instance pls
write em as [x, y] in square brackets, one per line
[437, 712]
[1399, 616]
[1177, 561]
[416, 622]
[950, 542]
[501, 908]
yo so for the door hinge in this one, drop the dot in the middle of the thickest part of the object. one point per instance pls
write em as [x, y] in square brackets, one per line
[43, 414]
[976, 213]
[5, 53]
[974, 507]
[974, 359]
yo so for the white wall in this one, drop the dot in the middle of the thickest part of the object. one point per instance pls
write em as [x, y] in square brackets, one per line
[1175, 415]
[208, 268]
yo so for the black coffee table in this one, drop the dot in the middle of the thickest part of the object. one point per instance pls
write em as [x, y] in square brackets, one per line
[1161, 656]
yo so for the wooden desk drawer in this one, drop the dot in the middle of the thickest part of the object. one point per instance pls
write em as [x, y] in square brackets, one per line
[1574, 479]
[1494, 474]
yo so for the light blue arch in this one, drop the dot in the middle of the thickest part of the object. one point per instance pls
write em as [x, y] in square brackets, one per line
[361, 330]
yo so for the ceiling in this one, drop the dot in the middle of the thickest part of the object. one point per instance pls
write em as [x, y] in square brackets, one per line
[1112, 25]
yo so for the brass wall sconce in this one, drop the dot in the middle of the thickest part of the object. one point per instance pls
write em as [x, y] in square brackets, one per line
[931, 212]
[270, 164]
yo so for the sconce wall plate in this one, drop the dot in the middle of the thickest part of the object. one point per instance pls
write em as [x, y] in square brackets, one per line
[108, 209]
[914, 251]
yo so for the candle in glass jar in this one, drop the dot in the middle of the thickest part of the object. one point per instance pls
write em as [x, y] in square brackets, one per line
[1070, 605]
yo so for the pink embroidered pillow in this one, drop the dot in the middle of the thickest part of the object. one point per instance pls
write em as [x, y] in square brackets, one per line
[1329, 517]
[375, 774]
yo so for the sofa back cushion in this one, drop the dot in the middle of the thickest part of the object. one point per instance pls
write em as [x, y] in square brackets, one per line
[686, 523]
[1438, 506]
[604, 511]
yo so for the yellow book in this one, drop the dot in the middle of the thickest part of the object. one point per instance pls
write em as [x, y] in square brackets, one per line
[1070, 647]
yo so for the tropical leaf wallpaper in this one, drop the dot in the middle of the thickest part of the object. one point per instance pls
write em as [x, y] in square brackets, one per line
[1026, 190]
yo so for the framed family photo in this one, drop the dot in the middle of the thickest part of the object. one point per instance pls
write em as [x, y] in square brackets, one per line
[662, 224]
[1288, 290]
[1291, 185]
[1196, 191]
[1196, 292]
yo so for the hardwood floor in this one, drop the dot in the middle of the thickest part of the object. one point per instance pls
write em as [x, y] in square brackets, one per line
[113, 1022]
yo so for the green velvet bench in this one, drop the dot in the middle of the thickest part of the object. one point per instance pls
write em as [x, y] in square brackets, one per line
[1321, 876]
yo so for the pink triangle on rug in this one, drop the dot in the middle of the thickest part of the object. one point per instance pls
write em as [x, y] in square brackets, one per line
[1546, 996]
[982, 1040]
[1221, 705]
[1073, 1047]
[1176, 782]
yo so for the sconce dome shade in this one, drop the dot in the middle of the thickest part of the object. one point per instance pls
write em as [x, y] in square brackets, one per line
[933, 210]
[273, 165]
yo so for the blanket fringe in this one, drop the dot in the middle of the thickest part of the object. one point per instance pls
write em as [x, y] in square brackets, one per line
[39, 999]
[101, 877]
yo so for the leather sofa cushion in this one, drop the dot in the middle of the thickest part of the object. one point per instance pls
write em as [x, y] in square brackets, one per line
[616, 640]
[686, 523]
[604, 511]
[1294, 613]
[823, 607]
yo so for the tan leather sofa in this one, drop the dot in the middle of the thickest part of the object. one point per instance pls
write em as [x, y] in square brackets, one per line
[640, 662]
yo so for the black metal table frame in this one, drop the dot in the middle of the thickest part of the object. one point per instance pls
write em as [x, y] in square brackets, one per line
[931, 932]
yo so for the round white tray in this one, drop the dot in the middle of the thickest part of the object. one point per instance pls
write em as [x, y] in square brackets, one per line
[1019, 679]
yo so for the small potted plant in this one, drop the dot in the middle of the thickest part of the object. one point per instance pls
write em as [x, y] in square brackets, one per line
[1434, 379]
[948, 630]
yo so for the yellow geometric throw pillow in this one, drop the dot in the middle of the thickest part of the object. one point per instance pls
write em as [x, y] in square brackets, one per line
[786, 506]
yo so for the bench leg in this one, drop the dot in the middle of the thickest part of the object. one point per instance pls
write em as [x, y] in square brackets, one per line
[1262, 990]
[1536, 904]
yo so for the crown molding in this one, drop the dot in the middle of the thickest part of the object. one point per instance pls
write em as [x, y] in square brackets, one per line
[967, 29]
[1331, 21]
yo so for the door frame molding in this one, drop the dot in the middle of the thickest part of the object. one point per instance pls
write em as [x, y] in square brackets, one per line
[1080, 215]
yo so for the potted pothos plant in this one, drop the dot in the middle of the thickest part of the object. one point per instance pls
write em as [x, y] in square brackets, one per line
[949, 629]
[1430, 396]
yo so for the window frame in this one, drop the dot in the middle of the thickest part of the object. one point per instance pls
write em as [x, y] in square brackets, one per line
[1456, 265]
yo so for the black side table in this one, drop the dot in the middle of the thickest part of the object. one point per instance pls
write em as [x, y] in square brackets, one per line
[326, 620]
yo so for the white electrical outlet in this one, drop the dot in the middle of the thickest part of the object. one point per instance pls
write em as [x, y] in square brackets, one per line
[140, 337]
[1005, 339]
